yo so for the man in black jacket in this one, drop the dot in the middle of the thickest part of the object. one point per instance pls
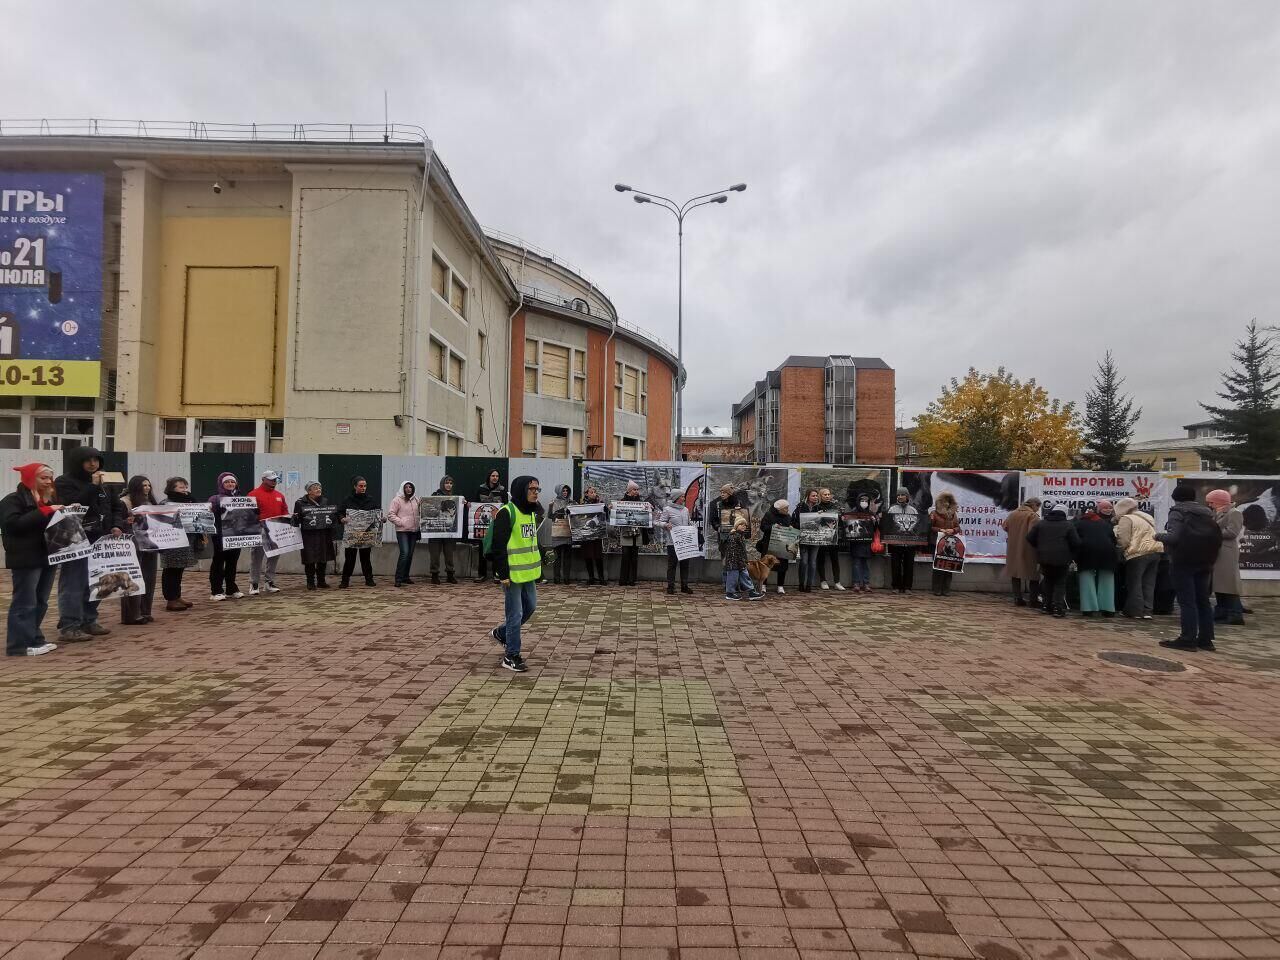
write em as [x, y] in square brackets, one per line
[517, 563]
[103, 516]
[1056, 542]
[491, 491]
[24, 514]
[1192, 539]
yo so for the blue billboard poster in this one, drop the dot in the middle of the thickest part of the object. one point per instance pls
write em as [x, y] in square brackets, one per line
[50, 283]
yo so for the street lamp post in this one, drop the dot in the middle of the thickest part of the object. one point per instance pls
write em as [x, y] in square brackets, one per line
[680, 211]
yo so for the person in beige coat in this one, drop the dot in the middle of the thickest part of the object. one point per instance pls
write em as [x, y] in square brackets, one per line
[1226, 571]
[1020, 564]
[1136, 538]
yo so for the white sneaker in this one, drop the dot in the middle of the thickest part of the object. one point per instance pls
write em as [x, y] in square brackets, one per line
[782, 590]
[270, 588]
[1148, 617]
[39, 651]
[839, 586]
[253, 590]
[236, 596]
[217, 596]
[824, 585]
[48, 647]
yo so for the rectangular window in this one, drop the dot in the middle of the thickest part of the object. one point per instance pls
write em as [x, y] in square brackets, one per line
[455, 446]
[109, 434]
[1209, 466]
[577, 439]
[555, 443]
[439, 277]
[628, 449]
[458, 297]
[432, 448]
[455, 371]
[482, 349]
[529, 440]
[531, 368]
[555, 371]
[479, 425]
[579, 375]
[173, 436]
[644, 393]
[1169, 463]
[10, 433]
[275, 436]
[436, 365]
[631, 390]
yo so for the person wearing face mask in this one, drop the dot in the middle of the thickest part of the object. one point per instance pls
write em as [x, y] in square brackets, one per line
[103, 516]
[860, 548]
[357, 499]
[311, 516]
[902, 518]
[829, 552]
[517, 560]
[174, 563]
[437, 547]
[593, 550]
[24, 514]
[136, 610]
[222, 568]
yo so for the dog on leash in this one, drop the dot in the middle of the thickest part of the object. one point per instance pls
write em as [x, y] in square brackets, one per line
[758, 570]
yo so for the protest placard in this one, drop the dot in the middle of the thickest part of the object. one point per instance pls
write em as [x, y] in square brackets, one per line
[784, 542]
[317, 518]
[819, 529]
[158, 528]
[948, 556]
[586, 522]
[440, 518]
[279, 536]
[197, 518]
[362, 528]
[685, 542]
[114, 570]
[240, 524]
[479, 516]
[65, 538]
[631, 514]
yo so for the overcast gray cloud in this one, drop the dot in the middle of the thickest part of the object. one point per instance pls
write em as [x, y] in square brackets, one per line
[941, 184]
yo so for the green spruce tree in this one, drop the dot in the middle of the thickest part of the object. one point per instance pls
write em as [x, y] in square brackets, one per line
[1109, 419]
[1250, 425]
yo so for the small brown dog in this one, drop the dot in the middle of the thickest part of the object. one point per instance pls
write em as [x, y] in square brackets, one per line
[759, 569]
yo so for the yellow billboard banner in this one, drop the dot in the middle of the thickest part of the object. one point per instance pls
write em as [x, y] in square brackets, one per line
[50, 378]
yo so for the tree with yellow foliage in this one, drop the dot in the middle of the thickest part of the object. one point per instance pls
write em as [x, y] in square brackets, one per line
[992, 420]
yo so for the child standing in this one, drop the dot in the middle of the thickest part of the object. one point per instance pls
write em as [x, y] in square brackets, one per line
[734, 555]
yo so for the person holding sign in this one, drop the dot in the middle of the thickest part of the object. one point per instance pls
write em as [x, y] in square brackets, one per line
[558, 514]
[900, 521]
[82, 484]
[944, 521]
[314, 516]
[24, 514]
[438, 546]
[136, 610]
[593, 548]
[629, 539]
[271, 504]
[778, 518]
[517, 561]
[222, 569]
[357, 499]
[808, 551]
[174, 563]
[675, 514]
[403, 512]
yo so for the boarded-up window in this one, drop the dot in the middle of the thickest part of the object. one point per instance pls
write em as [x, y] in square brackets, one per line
[455, 371]
[529, 438]
[530, 366]
[555, 443]
[229, 336]
[433, 444]
[579, 375]
[455, 447]
[458, 297]
[439, 277]
[575, 445]
[438, 353]
[555, 371]
[630, 390]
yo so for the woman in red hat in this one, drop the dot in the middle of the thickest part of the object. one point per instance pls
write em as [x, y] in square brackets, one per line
[23, 516]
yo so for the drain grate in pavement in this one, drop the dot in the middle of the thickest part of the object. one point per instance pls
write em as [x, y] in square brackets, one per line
[1141, 661]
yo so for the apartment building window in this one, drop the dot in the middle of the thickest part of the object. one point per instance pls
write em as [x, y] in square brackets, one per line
[579, 375]
[228, 436]
[173, 435]
[1210, 466]
[454, 447]
[840, 395]
[439, 278]
[448, 286]
[1169, 463]
[108, 434]
[554, 370]
[628, 448]
[458, 296]
[482, 348]
[455, 371]
[480, 425]
[275, 436]
[630, 389]
[445, 365]
[63, 432]
[10, 433]
[432, 446]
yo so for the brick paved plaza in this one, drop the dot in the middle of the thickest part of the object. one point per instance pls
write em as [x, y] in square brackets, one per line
[350, 776]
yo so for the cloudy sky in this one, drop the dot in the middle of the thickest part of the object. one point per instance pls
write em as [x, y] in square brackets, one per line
[940, 184]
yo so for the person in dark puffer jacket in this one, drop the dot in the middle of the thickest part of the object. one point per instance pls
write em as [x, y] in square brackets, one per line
[1056, 542]
[1192, 539]
[82, 484]
[1096, 560]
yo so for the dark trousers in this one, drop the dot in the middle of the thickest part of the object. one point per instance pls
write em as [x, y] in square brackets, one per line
[1229, 609]
[672, 563]
[349, 563]
[1191, 584]
[630, 566]
[314, 572]
[222, 571]
[902, 567]
[29, 604]
[482, 563]
[138, 609]
[75, 609]
[593, 555]
[564, 563]
[780, 573]
[434, 549]
[406, 540]
[1140, 576]
[171, 583]
[832, 554]
[1033, 590]
[942, 582]
[1055, 587]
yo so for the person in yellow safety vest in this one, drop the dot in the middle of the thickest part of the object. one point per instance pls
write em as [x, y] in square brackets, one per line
[517, 563]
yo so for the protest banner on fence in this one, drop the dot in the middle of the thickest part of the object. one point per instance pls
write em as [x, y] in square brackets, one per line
[440, 518]
[479, 516]
[784, 542]
[197, 518]
[1258, 500]
[158, 528]
[240, 524]
[65, 538]
[586, 522]
[631, 515]
[114, 570]
[685, 542]
[661, 484]
[984, 499]
[948, 555]
[1076, 491]
[279, 537]
[905, 526]
[317, 518]
[759, 487]
[819, 529]
[362, 528]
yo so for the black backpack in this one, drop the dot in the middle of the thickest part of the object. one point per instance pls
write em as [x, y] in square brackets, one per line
[1201, 538]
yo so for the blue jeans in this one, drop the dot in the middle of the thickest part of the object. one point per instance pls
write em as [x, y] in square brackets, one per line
[519, 602]
[75, 610]
[861, 569]
[1192, 587]
[809, 566]
[31, 589]
[736, 581]
[406, 540]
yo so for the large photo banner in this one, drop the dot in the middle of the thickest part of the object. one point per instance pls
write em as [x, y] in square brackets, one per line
[50, 283]
[440, 518]
[1258, 500]
[848, 485]
[1078, 490]
[759, 487]
[660, 483]
[586, 522]
[984, 498]
[65, 537]
[279, 537]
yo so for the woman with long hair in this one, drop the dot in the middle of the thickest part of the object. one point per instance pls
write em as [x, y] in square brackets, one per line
[136, 610]
[174, 563]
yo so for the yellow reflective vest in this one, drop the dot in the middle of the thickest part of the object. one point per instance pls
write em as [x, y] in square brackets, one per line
[524, 559]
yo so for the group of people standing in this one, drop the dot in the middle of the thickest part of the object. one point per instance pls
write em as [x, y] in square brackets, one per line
[1118, 554]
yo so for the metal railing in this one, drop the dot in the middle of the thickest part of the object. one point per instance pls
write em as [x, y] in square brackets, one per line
[204, 130]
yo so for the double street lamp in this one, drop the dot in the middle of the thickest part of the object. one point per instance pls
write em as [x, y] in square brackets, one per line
[680, 211]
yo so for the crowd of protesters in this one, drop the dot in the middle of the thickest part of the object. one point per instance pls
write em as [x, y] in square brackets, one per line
[1122, 563]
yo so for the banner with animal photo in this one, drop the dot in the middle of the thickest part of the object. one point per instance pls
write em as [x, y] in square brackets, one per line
[948, 555]
[983, 499]
[758, 487]
[1258, 500]
[197, 518]
[65, 538]
[660, 484]
[479, 517]
[1077, 491]
[904, 526]
[440, 518]
[240, 524]
[317, 518]
[361, 528]
[158, 528]
[586, 522]
[784, 542]
[858, 526]
[819, 529]
[631, 515]
[848, 485]
[114, 571]
[685, 542]
[279, 537]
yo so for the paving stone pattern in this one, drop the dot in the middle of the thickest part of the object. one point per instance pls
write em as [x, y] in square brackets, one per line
[349, 775]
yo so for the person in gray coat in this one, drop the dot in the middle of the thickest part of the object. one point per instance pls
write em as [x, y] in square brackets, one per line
[1226, 569]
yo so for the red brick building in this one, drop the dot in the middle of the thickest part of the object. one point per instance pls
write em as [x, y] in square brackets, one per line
[836, 409]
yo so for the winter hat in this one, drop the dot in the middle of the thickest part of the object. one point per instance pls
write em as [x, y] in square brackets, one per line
[28, 473]
[1183, 494]
[903, 492]
[1218, 498]
[781, 505]
[223, 476]
[1105, 508]
[1126, 506]
[310, 484]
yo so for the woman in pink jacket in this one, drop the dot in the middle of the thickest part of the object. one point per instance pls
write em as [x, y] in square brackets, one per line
[403, 514]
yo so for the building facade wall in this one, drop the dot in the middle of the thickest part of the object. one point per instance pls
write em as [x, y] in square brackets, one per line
[802, 419]
[875, 416]
[662, 384]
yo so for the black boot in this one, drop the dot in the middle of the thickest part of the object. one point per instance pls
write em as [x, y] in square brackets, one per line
[311, 579]
[368, 581]
[344, 583]
[449, 578]
[435, 579]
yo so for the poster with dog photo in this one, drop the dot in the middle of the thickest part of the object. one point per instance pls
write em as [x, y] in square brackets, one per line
[362, 528]
[440, 518]
[948, 555]
[114, 571]
[784, 542]
[240, 524]
[158, 528]
[633, 515]
[586, 522]
[819, 529]
[65, 538]
[479, 516]
[983, 499]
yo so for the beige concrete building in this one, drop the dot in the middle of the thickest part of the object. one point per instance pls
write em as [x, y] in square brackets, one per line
[1180, 454]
